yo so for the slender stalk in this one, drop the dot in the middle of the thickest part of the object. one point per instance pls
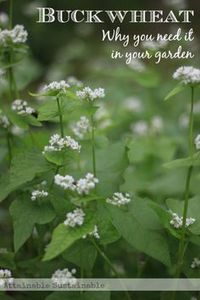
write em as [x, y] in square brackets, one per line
[60, 117]
[9, 147]
[93, 145]
[107, 260]
[10, 14]
[182, 247]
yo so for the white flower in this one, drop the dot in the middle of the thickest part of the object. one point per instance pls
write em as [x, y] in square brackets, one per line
[88, 94]
[133, 104]
[177, 222]
[72, 81]
[84, 185]
[75, 218]
[81, 127]
[67, 182]
[5, 277]
[154, 45]
[17, 130]
[140, 128]
[17, 35]
[1, 73]
[4, 19]
[57, 143]
[157, 124]
[197, 142]
[64, 277]
[195, 263]
[137, 65]
[56, 86]
[119, 199]
[187, 75]
[21, 107]
[4, 122]
[36, 194]
[93, 233]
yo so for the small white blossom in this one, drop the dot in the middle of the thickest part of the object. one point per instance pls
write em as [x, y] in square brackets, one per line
[64, 277]
[21, 107]
[36, 194]
[17, 130]
[157, 124]
[4, 122]
[197, 142]
[94, 233]
[133, 104]
[84, 185]
[81, 127]
[140, 128]
[154, 45]
[4, 19]
[195, 263]
[5, 277]
[57, 143]
[72, 81]
[67, 182]
[119, 199]
[137, 65]
[75, 218]
[56, 86]
[187, 75]
[88, 94]
[17, 35]
[177, 222]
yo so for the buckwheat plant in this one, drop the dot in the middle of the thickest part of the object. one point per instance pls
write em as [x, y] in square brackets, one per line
[188, 77]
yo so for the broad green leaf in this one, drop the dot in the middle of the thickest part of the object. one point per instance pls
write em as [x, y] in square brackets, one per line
[92, 295]
[7, 261]
[178, 89]
[24, 167]
[82, 253]
[136, 232]
[61, 158]
[22, 121]
[25, 214]
[64, 236]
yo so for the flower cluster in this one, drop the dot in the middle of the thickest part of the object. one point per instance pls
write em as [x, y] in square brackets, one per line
[56, 86]
[82, 186]
[67, 182]
[5, 277]
[75, 218]
[88, 94]
[195, 263]
[17, 35]
[177, 222]
[81, 127]
[4, 19]
[22, 108]
[187, 75]
[154, 45]
[1, 73]
[94, 233]
[4, 122]
[36, 194]
[137, 65]
[156, 124]
[197, 142]
[58, 143]
[64, 277]
[119, 199]
[72, 81]
[140, 128]
[133, 104]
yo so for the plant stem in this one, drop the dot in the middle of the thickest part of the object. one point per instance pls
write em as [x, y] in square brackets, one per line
[60, 117]
[93, 145]
[107, 260]
[181, 250]
[10, 14]
[9, 147]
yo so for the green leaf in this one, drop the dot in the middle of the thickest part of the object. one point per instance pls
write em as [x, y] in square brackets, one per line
[64, 236]
[82, 254]
[7, 261]
[61, 158]
[143, 233]
[25, 214]
[24, 167]
[184, 162]
[178, 89]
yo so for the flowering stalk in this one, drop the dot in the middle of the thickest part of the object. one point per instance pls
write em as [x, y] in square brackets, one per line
[93, 145]
[60, 117]
[182, 247]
